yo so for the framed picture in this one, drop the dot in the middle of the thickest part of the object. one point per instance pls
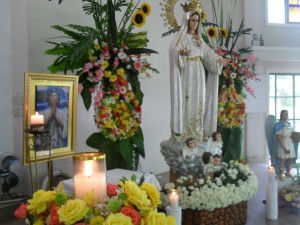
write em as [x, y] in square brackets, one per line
[50, 105]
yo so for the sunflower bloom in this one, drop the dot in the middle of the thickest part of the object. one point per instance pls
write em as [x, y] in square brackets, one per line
[212, 32]
[203, 16]
[223, 32]
[138, 18]
[146, 8]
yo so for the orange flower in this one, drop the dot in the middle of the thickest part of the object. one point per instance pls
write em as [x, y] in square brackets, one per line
[54, 220]
[132, 213]
[21, 212]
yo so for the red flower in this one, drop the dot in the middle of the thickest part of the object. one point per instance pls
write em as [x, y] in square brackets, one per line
[122, 81]
[54, 220]
[21, 212]
[132, 213]
[112, 189]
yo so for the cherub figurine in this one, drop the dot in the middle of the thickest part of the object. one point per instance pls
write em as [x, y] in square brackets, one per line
[191, 150]
[216, 143]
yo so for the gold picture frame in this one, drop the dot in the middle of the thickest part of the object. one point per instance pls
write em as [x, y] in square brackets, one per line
[59, 130]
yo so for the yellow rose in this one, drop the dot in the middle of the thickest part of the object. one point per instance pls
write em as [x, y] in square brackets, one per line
[155, 218]
[171, 220]
[97, 220]
[120, 72]
[153, 194]
[38, 203]
[38, 222]
[136, 196]
[91, 199]
[105, 64]
[73, 211]
[113, 78]
[288, 197]
[107, 74]
[118, 218]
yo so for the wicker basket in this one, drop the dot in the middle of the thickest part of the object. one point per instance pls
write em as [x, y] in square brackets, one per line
[231, 215]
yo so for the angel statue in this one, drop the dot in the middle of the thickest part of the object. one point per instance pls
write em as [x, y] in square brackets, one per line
[281, 146]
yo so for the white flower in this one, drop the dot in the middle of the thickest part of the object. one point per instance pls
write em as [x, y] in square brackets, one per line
[122, 55]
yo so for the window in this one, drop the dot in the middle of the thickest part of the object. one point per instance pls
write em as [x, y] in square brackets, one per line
[283, 11]
[284, 94]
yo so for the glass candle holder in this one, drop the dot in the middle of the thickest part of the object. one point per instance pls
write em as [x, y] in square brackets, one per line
[90, 174]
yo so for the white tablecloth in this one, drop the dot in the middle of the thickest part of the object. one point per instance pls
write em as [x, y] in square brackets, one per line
[113, 176]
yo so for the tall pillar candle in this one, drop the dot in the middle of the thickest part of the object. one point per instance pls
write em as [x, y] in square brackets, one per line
[90, 174]
[272, 200]
[174, 199]
[177, 213]
[271, 173]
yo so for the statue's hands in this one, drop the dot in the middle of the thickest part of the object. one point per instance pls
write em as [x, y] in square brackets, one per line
[185, 52]
[223, 61]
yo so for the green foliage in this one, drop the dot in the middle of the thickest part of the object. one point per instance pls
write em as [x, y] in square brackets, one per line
[121, 153]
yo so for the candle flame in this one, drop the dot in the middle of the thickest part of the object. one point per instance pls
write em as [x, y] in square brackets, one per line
[88, 168]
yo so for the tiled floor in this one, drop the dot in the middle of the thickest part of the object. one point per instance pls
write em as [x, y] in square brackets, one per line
[256, 207]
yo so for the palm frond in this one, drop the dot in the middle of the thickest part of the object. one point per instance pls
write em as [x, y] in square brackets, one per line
[112, 26]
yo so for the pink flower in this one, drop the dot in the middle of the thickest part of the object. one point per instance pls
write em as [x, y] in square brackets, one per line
[116, 62]
[137, 65]
[219, 52]
[251, 58]
[80, 88]
[240, 70]
[99, 74]
[112, 189]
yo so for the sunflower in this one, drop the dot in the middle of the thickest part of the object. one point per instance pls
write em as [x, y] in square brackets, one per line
[145, 7]
[138, 18]
[223, 32]
[203, 16]
[212, 32]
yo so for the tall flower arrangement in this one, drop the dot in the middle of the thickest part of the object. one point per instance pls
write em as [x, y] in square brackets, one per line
[108, 59]
[234, 79]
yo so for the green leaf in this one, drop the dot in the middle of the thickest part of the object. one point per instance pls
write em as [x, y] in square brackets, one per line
[87, 98]
[133, 79]
[135, 51]
[126, 150]
[57, 51]
[112, 26]
[138, 141]
[70, 33]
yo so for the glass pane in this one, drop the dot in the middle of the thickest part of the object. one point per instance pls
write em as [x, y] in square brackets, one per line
[284, 85]
[276, 13]
[294, 14]
[297, 125]
[271, 85]
[272, 106]
[284, 103]
[294, 2]
[297, 108]
[297, 87]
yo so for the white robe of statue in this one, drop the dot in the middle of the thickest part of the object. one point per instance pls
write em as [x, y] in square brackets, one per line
[193, 99]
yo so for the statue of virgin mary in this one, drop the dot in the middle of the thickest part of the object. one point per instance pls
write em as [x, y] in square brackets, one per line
[194, 96]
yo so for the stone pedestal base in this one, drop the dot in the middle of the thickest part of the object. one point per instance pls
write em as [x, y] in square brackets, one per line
[231, 215]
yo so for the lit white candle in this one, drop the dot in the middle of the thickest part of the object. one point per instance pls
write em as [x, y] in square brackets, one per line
[37, 119]
[174, 199]
[271, 173]
[272, 200]
[90, 175]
